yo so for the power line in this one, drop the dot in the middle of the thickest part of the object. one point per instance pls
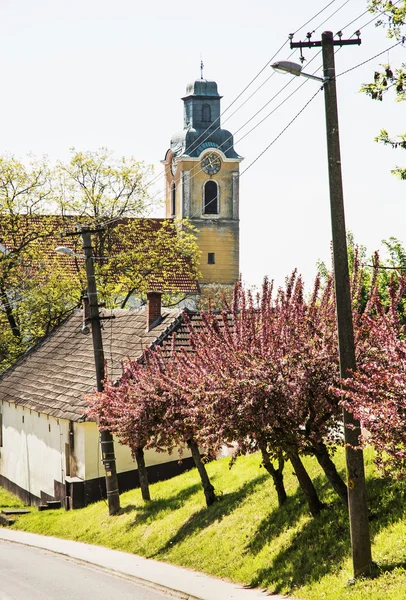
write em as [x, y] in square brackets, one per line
[272, 143]
[296, 116]
[249, 120]
[332, 15]
[371, 58]
[161, 194]
[316, 15]
[282, 132]
[381, 12]
[157, 177]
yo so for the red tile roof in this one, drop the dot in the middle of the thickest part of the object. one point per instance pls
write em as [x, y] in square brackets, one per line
[176, 279]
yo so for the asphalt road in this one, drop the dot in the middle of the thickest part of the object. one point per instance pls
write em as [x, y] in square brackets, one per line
[33, 574]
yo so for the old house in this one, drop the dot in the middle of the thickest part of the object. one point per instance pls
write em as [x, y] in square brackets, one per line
[49, 449]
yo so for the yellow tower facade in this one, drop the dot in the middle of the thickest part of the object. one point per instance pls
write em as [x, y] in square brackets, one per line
[202, 183]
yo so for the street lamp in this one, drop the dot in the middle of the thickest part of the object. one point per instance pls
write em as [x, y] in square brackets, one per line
[357, 497]
[68, 252]
[286, 66]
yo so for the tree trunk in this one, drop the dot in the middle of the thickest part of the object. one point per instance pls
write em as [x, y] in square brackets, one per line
[124, 302]
[142, 473]
[276, 474]
[9, 313]
[207, 486]
[321, 453]
[306, 484]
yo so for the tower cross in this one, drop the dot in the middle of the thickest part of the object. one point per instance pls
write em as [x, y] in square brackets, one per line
[201, 69]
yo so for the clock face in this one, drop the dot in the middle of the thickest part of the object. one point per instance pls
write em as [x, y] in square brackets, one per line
[211, 163]
[174, 165]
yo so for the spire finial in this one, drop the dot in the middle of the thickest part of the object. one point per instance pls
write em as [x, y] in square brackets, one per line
[201, 69]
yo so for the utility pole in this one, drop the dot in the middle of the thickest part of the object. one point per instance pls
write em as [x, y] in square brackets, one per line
[357, 495]
[106, 439]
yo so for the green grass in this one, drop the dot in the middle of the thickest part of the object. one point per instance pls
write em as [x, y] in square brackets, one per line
[245, 537]
[8, 500]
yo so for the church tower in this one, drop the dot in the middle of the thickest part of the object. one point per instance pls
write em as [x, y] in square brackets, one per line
[202, 183]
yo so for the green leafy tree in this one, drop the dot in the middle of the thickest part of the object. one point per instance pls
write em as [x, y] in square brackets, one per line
[38, 288]
[29, 304]
[393, 19]
[133, 256]
[147, 254]
[100, 187]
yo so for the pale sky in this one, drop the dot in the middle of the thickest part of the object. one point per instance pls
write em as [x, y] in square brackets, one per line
[92, 73]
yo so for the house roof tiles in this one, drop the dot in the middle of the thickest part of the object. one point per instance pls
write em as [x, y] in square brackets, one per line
[54, 375]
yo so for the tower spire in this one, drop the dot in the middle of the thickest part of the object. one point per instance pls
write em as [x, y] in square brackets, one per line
[201, 69]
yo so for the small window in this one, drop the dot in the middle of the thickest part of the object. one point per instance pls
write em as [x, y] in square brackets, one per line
[210, 198]
[206, 113]
[210, 258]
[173, 200]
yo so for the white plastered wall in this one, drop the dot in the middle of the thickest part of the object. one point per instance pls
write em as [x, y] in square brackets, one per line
[124, 461]
[33, 452]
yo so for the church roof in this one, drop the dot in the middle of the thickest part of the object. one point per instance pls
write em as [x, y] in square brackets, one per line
[202, 87]
[192, 142]
[202, 132]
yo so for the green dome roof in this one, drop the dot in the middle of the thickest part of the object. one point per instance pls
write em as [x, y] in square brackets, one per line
[202, 87]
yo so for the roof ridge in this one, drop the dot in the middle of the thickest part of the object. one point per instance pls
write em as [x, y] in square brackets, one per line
[169, 330]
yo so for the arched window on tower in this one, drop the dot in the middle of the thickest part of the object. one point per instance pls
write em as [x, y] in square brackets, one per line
[173, 199]
[211, 198]
[206, 113]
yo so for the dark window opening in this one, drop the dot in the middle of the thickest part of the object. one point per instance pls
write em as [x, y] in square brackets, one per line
[67, 460]
[188, 113]
[173, 200]
[210, 198]
[206, 113]
[210, 258]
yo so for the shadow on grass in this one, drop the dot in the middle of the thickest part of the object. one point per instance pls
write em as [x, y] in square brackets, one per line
[207, 516]
[153, 508]
[317, 549]
[287, 516]
[386, 498]
[385, 567]
[278, 520]
[323, 544]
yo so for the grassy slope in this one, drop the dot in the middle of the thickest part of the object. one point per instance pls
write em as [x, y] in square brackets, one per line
[245, 537]
[8, 500]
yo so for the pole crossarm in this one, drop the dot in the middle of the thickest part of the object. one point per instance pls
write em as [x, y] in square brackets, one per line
[81, 230]
[319, 44]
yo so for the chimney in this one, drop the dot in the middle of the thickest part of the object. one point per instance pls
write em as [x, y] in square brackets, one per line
[153, 309]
